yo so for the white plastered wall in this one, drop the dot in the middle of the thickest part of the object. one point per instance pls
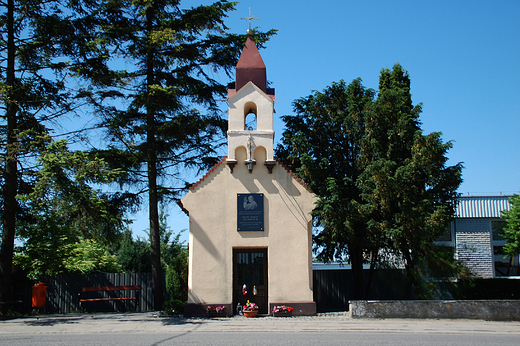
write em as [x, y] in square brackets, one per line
[212, 207]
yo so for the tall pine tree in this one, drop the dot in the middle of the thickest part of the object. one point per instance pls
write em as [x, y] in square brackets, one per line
[33, 95]
[154, 126]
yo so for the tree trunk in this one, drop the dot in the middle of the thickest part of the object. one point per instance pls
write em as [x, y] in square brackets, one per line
[356, 261]
[371, 271]
[10, 173]
[411, 282]
[155, 236]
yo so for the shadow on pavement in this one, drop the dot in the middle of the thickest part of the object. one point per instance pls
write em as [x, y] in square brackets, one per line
[53, 320]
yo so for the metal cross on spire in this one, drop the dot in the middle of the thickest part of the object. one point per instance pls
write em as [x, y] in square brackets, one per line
[250, 31]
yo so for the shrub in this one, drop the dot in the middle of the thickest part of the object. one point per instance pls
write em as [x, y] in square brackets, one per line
[174, 307]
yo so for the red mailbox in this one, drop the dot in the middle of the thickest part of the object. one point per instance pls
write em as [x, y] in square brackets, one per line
[39, 293]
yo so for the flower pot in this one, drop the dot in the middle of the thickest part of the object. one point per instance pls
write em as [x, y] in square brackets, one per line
[282, 313]
[250, 313]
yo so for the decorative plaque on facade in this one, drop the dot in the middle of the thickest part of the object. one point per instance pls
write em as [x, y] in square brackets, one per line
[250, 212]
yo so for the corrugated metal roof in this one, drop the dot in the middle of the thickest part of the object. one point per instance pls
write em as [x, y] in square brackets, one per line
[482, 206]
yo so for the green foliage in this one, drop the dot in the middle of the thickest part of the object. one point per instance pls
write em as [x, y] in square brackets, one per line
[169, 116]
[383, 186]
[177, 277]
[408, 191]
[444, 276]
[171, 245]
[321, 144]
[44, 253]
[59, 256]
[63, 196]
[512, 230]
[89, 256]
[134, 255]
[64, 213]
[174, 307]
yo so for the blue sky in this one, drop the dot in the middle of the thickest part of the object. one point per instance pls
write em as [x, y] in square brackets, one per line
[463, 58]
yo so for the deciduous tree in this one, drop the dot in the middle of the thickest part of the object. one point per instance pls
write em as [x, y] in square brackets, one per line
[384, 187]
[512, 230]
[66, 212]
[408, 190]
[321, 143]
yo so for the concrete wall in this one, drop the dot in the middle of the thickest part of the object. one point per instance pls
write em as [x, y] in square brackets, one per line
[498, 310]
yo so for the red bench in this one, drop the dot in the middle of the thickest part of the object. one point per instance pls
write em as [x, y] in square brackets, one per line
[108, 297]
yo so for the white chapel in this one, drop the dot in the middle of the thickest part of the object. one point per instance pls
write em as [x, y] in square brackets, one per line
[250, 234]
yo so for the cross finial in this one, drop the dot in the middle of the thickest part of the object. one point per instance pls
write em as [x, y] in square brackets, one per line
[250, 31]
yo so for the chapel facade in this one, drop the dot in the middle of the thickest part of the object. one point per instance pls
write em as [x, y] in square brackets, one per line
[250, 218]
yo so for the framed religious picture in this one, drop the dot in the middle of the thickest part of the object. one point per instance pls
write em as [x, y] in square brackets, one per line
[250, 212]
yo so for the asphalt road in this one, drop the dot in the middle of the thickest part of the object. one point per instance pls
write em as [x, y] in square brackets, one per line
[329, 329]
[258, 338]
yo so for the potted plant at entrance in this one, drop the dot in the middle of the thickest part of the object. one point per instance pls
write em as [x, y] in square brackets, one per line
[282, 311]
[250, 309]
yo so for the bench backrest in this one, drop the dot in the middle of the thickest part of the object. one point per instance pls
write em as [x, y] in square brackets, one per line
[111, 288]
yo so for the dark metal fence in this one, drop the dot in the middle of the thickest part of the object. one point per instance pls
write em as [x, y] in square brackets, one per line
[63, 292]
[334, 288]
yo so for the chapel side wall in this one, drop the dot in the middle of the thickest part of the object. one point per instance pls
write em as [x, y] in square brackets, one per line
[209, 273]
[290, 256]
[209, 270]
[213, 234]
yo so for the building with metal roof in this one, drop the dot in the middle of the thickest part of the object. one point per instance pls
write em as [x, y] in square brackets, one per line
[475, 236]
[482, 206]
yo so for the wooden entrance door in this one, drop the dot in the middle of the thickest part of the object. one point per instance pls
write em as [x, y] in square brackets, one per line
[250, 278]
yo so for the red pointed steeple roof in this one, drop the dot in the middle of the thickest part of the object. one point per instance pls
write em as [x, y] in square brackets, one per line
[251, 67]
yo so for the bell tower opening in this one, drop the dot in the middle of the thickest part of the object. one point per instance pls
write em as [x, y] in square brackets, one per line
[250, 122]
[250, 116]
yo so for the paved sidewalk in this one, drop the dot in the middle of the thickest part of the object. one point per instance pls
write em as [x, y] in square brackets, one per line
[149, 322]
